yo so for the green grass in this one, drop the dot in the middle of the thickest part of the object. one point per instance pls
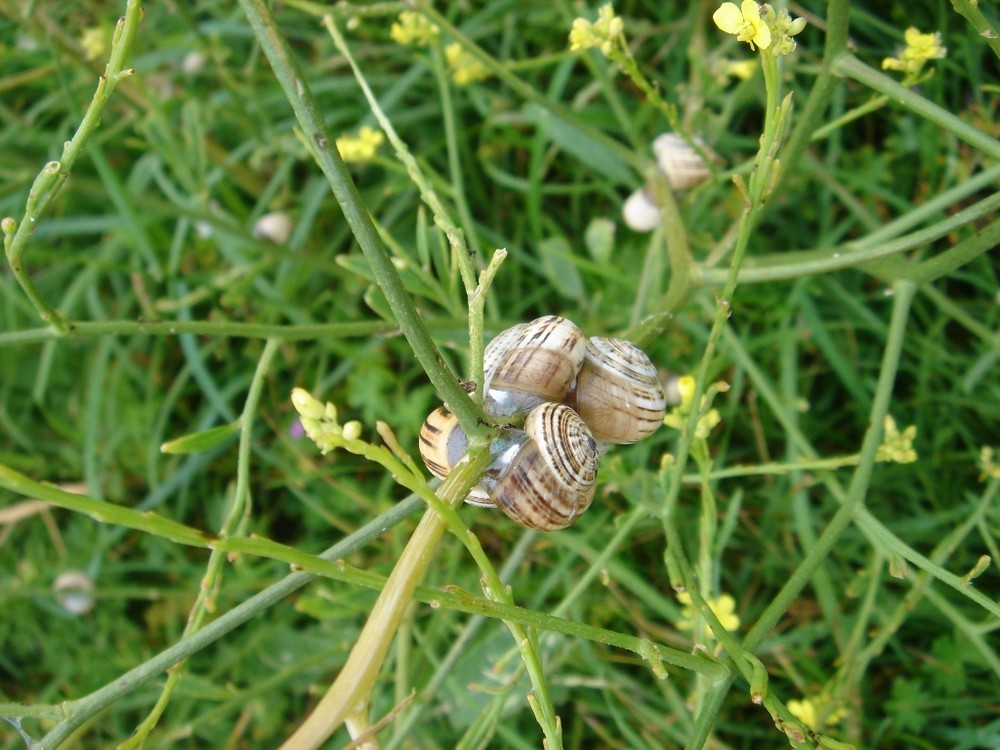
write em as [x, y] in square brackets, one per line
[142, 309]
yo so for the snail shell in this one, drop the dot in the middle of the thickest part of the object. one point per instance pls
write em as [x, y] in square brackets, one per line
[548, 480]
[442, 445]
[682, 164]
[640, 213]
[617, 392]
[531, 364]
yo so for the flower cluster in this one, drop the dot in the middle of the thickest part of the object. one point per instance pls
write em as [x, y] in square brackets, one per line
[320, 422]
[465, 68]
[760, 26]
[919, 49]
[897, 446]
[603, 33]
[362, 147]
[707, 419]
[413, 30]
[723, 607]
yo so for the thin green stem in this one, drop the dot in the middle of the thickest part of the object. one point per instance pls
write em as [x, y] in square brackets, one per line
[76, 713]
[297, 91]
[502, 71]
[821, 94]
[969, 10]
[239, 508]
[851, 67]
[46, 186]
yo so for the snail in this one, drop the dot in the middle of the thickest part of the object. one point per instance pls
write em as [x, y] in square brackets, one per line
[547, 480]
[442, 444]
[617, 392]
[684, 167]
[542, 476]
[640, 213]
[579, 396]
[530, 364]
[681, 162]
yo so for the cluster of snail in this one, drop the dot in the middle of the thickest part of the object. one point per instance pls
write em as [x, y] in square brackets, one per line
[578, 395]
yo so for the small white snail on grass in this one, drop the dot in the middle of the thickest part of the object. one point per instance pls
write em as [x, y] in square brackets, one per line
[684, 168]
[579, 396]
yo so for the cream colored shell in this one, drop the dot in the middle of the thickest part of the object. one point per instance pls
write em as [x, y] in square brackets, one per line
[551, 479]
[682, 164]
[617, 392]
[531, 364]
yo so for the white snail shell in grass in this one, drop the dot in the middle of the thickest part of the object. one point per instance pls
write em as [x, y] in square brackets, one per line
[617, 392]
[550, 479]
[531, 364]
[640, 213]
[680, 162]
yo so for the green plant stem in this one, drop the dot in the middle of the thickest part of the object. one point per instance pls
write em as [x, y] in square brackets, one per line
[503, 72]
[347, 698]
[46, 186]
[217, 559]
[75, 713]
[857, 254]
[924, 272]
[297, 91]
[222, 328]
[826, 83]
[851, 67]
[969, 10]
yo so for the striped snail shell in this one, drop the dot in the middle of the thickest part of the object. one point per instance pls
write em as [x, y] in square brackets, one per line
[682, 164]
[617, 392]
[547, 480]
[442, 445]
[530, 364]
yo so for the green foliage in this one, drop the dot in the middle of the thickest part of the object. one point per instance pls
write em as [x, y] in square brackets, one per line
[866, 286]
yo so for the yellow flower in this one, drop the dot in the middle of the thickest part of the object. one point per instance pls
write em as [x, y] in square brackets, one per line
[988, 465]
[708, 418]
[723, 607]
[816, 712]
[803, 710]
[897, 446]
[741, 69]
[413, 29]
[603, 33]
[362, 147]
[744, 22]
[465, 68]
[94, 42]
[919, 49]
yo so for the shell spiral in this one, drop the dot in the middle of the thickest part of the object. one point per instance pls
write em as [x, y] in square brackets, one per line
[531, 364]
[551, 480]
[617, 392]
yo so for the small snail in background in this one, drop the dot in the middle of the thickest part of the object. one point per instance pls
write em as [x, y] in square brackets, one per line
[681, 162]
[578, 395]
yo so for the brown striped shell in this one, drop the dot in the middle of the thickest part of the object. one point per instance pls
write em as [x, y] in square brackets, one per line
[442, 445]
[617, 392]
[550, 478]
[531, 364]
[682, 164]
